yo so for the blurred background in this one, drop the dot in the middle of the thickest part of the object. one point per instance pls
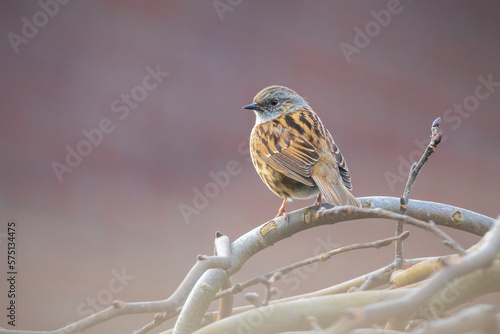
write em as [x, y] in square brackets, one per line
[159, 86]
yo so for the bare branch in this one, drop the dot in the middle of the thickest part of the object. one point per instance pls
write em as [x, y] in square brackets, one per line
[380, 213]
[417, 273]
[215, 270]
[326, 309]
[474, 319]
[222, 245]
[416, 167]
[383, 275]
[442, 214]
[226, 303]
[276, 318]
[414, 170]
[378, 278]
[239, 287]
[271, 232]
[401, 308]
[270, 290]
[159, 318]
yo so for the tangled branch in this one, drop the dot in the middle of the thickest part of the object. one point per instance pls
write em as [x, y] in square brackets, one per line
[482, 258]
[209, 273]
[315, 311]
[273, 231]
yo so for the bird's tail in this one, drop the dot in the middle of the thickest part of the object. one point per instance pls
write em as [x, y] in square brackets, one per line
[335, 193]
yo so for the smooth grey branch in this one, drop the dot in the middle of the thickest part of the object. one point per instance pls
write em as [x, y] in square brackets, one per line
[381, 213]
[478, 318]
[278, 229]
[239, 287]
[482, 258]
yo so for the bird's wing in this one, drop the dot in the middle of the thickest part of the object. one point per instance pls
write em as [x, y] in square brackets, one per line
[295, 159]
[300, 161]
[341, 163]
[284, 149]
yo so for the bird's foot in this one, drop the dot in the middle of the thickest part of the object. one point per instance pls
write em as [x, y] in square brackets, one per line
[318, 201]
[282, 211]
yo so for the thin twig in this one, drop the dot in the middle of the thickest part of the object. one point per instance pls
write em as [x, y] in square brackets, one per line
[482, 258]
[373, 279]
[277, 229]
[414, 170]
[436, 137]
[158, 319]
[270, 290]
[380, 213]
[239, 287]
[383, 275]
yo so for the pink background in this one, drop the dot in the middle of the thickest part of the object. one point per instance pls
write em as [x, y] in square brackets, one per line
[120, 207]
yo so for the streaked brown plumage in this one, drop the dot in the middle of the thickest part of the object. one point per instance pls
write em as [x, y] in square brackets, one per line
[293, 153]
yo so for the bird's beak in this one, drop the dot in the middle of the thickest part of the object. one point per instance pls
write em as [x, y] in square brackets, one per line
[253, 106]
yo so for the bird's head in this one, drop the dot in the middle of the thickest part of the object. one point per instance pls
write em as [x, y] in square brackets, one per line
[274, 101]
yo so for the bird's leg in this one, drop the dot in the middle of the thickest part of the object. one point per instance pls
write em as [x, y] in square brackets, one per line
[282, 211]
[318, 201]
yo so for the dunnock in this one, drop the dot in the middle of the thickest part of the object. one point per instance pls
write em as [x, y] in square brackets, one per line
[293, 153]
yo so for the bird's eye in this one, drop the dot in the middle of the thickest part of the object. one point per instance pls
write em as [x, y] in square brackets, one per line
[274, 102]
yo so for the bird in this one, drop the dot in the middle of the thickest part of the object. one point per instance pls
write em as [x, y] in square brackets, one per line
[294, 154]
